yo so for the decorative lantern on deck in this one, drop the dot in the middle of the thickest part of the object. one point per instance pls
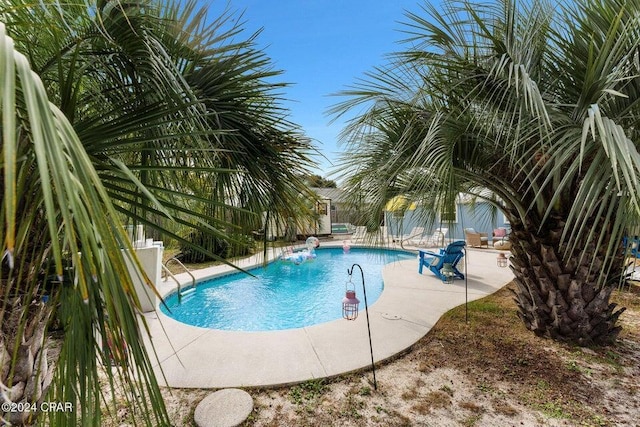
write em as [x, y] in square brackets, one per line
[350, 303]
[447, 273]
[502, 260]
[350, 311]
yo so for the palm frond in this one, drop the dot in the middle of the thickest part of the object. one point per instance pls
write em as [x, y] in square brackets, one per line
[81, 224]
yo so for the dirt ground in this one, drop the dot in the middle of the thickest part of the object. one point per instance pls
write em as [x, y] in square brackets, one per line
[490, 371]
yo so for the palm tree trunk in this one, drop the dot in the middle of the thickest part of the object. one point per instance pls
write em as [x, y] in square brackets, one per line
[25, 369]
[559, 296]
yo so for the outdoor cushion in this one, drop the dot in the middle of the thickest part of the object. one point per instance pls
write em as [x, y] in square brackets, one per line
[500, 232]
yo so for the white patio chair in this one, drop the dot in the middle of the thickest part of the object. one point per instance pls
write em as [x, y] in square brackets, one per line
[434, 240]
[414, 236]
[359, 235]
[416, 240]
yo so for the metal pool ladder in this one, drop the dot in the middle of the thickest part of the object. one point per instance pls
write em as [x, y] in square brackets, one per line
[181, 293]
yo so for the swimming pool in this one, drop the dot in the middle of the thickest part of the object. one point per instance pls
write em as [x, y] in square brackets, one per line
[283, 295]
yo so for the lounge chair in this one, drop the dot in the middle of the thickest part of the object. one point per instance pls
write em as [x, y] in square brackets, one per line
[359, 235]
[452, 255]
[415, 234]
[476, 239]
[431, 240]
[387, 237]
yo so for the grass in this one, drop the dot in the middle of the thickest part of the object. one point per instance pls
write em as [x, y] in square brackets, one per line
[308, 391]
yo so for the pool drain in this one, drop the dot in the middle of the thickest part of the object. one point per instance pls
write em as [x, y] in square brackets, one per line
[391, 316]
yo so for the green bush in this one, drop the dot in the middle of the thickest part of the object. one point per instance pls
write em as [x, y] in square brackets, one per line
[235, 245]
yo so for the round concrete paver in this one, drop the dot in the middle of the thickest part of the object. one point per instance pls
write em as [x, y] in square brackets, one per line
[224, 408]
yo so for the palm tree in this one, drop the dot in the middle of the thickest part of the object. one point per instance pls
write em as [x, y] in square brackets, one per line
[134, 112]
[57, 211]
[203, 103]
[537, 103]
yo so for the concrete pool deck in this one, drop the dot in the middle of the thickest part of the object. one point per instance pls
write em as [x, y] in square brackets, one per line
[192, 357]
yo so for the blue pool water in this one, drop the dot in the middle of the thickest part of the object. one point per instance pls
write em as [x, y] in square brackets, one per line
[283, 295]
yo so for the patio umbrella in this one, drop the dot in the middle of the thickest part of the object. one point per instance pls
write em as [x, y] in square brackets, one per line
[398, 205]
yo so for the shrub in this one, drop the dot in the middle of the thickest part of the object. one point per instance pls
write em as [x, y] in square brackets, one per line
[235, 245]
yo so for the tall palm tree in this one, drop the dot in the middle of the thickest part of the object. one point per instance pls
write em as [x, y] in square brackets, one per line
[134, 112]
[537, 103]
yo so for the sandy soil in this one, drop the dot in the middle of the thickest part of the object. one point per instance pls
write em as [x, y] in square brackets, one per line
[487, 372]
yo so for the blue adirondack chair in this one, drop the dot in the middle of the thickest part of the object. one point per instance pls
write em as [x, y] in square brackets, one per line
[452, 255]
[631, 246]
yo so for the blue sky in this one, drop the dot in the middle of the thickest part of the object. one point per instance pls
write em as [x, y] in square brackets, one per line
[322, 47]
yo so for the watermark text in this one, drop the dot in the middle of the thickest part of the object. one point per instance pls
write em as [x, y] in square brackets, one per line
[7, 407]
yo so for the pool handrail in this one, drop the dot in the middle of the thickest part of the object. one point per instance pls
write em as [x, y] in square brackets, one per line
[166, 270]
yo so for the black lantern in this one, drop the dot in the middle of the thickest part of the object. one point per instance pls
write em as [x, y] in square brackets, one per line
[350, 311]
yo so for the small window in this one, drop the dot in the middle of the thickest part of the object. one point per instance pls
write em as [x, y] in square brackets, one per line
[321, 208]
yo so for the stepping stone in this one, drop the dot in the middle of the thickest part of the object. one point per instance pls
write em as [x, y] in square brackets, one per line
[229, 407]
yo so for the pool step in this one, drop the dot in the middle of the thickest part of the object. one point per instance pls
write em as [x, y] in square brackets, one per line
[187, 292]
